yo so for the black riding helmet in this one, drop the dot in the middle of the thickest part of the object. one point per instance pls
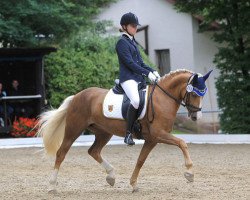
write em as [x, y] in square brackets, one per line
[129, 18]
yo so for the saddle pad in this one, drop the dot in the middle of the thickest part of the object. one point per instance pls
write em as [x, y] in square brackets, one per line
[112, 105]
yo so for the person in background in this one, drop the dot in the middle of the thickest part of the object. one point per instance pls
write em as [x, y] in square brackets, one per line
[15, 90]
[21, 109]
[132, 69]
[9, 108]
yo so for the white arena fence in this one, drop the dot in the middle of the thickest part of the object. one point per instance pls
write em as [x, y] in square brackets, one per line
[87, 140]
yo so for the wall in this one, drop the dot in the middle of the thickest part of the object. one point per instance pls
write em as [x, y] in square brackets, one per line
[167, 28]
[177, 32]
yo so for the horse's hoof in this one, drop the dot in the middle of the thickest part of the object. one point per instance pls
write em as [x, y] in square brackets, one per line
[189, 176]
[52, 191]
[110, 180]
[52, 187]
[135, 189]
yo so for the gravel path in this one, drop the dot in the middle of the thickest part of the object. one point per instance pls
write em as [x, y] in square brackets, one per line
[221, 172]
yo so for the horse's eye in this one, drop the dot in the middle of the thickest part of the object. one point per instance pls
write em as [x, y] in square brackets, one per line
[193, 94]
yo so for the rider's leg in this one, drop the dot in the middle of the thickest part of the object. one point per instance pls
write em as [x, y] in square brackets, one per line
[131, 89]
[131, 117]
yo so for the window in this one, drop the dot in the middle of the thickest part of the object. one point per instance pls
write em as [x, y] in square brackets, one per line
[163, 61]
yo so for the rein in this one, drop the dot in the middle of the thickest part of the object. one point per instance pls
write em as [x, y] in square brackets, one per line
[171, 96]
[180, 102]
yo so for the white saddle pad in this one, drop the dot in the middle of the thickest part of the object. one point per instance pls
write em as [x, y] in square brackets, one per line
[112, 105]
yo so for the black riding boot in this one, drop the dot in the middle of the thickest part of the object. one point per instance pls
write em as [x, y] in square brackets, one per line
[131, 117]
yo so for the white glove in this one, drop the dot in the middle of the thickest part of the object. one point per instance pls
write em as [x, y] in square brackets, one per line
[157, 74]
[152, 77]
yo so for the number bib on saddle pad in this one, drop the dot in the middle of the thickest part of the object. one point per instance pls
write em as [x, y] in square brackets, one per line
[115, 106]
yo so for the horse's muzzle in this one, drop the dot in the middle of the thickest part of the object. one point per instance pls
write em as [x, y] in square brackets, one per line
[193, 116]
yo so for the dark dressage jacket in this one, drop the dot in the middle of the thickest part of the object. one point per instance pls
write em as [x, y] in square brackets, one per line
[130, 61]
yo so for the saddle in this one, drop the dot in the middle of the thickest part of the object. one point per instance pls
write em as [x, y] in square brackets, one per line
[116, 102]
[117, 89]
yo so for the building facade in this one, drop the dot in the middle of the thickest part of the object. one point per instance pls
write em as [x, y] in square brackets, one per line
[172, 41]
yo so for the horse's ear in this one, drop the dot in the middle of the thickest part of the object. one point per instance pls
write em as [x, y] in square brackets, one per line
[207, 75]
[195, 79]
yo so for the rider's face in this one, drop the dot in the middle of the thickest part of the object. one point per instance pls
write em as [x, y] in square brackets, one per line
[131, 29]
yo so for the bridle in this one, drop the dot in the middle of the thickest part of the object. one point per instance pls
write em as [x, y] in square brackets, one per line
[184, 102]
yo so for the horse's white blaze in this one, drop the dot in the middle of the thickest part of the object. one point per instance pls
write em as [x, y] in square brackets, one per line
[199, 113]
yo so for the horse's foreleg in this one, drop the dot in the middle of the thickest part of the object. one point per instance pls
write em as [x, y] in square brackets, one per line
[168, 138]
[146, 149]
[101, 140]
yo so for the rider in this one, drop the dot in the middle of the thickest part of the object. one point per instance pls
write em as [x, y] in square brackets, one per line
[132, 69]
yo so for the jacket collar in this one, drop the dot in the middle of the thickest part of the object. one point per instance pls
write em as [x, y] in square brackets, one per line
[129, 36]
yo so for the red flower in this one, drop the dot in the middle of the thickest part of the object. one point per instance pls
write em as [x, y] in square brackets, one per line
[24, 127]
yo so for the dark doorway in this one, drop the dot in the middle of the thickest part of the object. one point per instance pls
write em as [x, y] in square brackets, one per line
[26, 66]
[23, 71]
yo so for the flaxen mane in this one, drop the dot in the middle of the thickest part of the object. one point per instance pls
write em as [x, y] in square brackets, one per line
[174, 73]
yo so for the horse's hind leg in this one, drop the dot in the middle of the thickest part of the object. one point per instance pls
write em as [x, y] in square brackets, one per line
[146, 149]
[101, 139]
[72, 132]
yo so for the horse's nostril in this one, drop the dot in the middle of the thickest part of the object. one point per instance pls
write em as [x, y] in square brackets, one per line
[194, 118]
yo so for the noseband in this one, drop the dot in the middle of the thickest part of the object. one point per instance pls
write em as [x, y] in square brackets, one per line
[191, 108]
[184, 102]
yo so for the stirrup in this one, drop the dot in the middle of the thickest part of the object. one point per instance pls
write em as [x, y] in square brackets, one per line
[128, 139]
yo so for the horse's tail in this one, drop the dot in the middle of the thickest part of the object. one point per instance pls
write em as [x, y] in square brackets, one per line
[52, 127]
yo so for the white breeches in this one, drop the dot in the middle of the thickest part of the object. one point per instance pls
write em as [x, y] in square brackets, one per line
[131, 89]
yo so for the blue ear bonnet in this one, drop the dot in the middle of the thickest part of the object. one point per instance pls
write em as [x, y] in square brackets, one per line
[199, 87]
[197, 84]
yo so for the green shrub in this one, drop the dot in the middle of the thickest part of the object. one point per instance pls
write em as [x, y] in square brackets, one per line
[89, 60]
[70, 70]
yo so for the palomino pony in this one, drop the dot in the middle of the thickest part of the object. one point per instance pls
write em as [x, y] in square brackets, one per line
[83, 111]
